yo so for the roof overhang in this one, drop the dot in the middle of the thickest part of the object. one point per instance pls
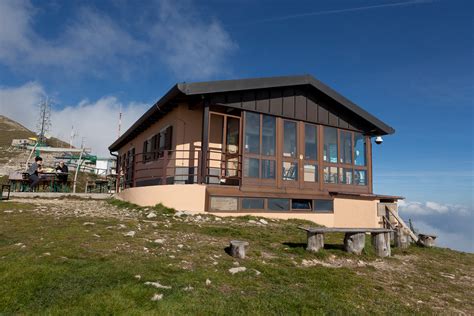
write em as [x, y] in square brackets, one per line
[211, 87]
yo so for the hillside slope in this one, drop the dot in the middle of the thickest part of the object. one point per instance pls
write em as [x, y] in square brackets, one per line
[63, 257]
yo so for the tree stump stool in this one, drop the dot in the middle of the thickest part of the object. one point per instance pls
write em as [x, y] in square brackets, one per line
[315, 241]
[402, 238]
[354, 242]
[381, 242]
[237, 248]
[426, 240]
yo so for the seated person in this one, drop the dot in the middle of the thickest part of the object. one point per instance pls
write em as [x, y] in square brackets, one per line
[63, 170]
[33, 172]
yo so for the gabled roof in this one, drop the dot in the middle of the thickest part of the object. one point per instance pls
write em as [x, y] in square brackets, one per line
[211, 87]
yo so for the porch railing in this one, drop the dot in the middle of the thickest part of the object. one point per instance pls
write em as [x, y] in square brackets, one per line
[181, 167]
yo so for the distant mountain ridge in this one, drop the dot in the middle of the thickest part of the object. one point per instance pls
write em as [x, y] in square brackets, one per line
[10, 129]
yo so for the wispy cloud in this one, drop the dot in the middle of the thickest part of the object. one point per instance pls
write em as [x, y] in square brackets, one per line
[452, 223]
[95, 121]
[92, 42]
[337, 11]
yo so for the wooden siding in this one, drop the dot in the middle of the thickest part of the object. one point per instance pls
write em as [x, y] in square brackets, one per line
[298, 103]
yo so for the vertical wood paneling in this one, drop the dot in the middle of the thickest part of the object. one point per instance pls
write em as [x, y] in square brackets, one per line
[333, 119]
[276, 102]
[289, 102]
[263, 101]
[323, 115]
[343, 124]
[234, 99]
[248, 100]
[300, 105]
[311, 110]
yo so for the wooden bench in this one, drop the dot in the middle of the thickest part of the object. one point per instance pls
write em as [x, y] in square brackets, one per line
[354, 239]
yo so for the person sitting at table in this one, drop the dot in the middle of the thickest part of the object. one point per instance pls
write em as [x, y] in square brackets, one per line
[63, 170]
[33, 172]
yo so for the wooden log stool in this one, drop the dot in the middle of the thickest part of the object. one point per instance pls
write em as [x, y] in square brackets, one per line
[354, 242]
[237, 248]
[381, 242]
[402, 238]
[426, 240]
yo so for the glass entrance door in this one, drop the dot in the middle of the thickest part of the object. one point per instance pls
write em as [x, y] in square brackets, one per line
[290, 171]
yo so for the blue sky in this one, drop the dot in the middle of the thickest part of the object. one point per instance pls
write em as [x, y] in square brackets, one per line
[408, 62]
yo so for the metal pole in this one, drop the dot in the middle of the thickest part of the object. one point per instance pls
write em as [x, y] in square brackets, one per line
[79, 163]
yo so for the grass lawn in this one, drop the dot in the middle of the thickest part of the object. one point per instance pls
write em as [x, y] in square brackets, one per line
[72, 257]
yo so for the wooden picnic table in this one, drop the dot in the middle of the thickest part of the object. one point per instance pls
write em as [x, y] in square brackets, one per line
[354, 239]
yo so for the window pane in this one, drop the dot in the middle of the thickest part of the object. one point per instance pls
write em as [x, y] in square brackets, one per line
[252, 133]
[233, 131]
[330, 144]
[223, 203]
[359, 149]
[346, 147]
[251, 167]
[310, 144]
[268, 135]
[268, 169]
[299, 204]
[252, 204]
[290, 170]
[289, 139]
[345, 175]
[324, 206]
[360, 177]
[279, 204]
[330, 174]
[310, 173]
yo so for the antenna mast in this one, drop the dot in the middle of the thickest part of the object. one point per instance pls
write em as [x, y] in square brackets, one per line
[44, 120]
[120, 121]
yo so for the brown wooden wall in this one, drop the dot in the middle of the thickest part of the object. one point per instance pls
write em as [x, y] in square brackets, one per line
[298, 103]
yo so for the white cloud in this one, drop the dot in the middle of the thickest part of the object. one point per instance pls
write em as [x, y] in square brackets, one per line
[429, 207]
[96, 121]
[192, 47]
[92, 42]
[453, 224]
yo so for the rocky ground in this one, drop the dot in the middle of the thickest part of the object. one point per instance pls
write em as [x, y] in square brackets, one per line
[146, 255]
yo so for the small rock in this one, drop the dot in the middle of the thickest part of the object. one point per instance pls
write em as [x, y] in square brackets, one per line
[95, 235]
[159, 241]
[208, 282]
[122, 226]
[130, 234]
[138, 277]
[264, 222]
[188, 288]
[88, 224]
[151, 215]
[236, 263]
[180, 246]
[47, 254]
[257, 272]
[218, 219]
[157, 297]
[237, 270]
[251, 221]
[158, 285]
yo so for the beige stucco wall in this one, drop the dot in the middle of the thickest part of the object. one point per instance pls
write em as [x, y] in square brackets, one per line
[191, 197]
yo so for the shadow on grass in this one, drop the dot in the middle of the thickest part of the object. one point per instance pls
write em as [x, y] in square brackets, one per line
[295, 244]
[334, 246]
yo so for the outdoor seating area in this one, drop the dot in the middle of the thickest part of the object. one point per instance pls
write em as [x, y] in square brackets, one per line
[354, 239]
[48, 182]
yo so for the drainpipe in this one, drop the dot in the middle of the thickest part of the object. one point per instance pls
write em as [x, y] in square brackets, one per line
[117, 181]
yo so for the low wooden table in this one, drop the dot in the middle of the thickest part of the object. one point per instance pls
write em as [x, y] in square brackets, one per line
[354, 239]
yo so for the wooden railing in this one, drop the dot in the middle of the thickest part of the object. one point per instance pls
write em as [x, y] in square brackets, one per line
[183, 167]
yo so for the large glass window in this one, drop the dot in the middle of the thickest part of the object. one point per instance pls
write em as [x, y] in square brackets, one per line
[330, 174]
[346, 147]
[279, 204]
[268, 169]
[290, 170]
[310, 173]
[360, 177]
[252, 203]
[252, 133]
[345, 175]
[251, 167]
[330, 144]
[359, 149]
[289, 139]
[323, 206]
[268, 135]
[310, 142]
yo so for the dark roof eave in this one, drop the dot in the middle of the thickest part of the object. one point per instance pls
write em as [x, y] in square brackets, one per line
[273, 82]
[172, 93]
